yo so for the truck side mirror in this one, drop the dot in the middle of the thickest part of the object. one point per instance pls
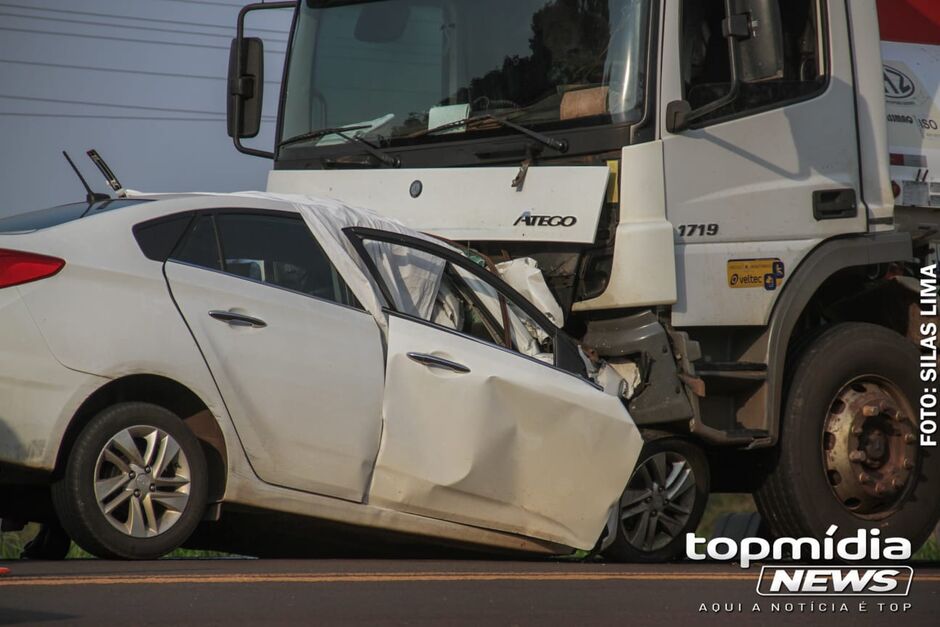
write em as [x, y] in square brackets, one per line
[245, 87]
[758, 31]
[754, 32]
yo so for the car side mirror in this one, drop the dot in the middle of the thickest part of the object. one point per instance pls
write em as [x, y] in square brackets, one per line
[245, 87]
[759, 36]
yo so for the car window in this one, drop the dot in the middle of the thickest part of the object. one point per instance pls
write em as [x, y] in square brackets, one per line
[706, 69]
[276, 250]
[200, 246]
[452, 297]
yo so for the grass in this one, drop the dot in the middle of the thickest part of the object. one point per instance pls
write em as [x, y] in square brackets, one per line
[12, 543]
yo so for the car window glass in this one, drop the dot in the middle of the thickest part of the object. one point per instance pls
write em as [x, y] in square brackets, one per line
[433, 289]
[200, 246]
[706, 69]
[279, 251]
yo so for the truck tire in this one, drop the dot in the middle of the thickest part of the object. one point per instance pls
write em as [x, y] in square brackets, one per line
[135, 483]
[663, 501]
[848, 453]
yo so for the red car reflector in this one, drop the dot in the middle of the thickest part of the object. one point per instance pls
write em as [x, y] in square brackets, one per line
[18, 267]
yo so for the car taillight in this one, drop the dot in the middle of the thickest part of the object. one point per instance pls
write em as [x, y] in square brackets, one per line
[18, 267]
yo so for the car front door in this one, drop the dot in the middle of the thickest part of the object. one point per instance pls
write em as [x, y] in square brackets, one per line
[297, 361]
[481, 426]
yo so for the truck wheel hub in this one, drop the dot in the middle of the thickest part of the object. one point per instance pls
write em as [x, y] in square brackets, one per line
[869, 447]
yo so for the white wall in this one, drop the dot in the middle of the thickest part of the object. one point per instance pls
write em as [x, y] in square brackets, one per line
[143, 81]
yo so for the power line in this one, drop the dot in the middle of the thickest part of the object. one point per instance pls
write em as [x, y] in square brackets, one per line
[124, 39]
[236, 4]
[144, 28]
[88, 103]
[123, 71]
[139, 19]
[116, 117]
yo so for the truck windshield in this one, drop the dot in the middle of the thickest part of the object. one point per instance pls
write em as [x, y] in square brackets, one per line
[398, 68]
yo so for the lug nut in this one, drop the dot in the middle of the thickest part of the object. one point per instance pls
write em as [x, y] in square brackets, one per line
[153, 487]
[136, 492]
[880, 489]
[908, 464]
[147, 469]
[909, 438]
[649, 499]
[863, 478]
[655, 514]
[897, 484]
[871, 410]
[857, 430]
[857, 456]
[132, 474]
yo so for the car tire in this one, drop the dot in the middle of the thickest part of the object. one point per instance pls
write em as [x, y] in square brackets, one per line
[848, 453]
[135, 483]
[663, 501]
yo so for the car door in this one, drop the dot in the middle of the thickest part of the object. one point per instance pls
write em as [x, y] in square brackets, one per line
[298, 363]
[481, 425]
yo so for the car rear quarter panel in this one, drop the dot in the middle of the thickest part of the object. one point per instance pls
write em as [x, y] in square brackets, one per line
[109, 314]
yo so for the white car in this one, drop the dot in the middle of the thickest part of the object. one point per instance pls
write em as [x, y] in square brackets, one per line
[162, 356]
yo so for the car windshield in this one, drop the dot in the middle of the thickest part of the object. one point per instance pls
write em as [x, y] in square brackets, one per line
[399, 68]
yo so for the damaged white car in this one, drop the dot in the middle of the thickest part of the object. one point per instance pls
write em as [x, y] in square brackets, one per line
[165, 357]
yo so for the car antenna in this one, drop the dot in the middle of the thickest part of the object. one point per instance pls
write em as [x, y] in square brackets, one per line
[90, 197]
[113, 183]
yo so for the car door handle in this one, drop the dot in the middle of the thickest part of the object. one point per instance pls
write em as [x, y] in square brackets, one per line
[438, 362]
[238, 320]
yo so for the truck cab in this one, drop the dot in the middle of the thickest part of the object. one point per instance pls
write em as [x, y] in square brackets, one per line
[708, 188]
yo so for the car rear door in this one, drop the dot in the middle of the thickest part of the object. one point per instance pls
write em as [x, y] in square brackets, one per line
[481, 427]
[298, 362]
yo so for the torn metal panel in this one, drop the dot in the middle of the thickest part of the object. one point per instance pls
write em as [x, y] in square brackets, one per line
[513, 444]
[525, 277]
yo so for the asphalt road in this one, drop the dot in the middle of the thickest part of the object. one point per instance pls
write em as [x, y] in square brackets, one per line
[372, 592]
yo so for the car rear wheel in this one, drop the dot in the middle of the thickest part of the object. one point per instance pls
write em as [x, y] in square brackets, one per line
[135, 483]
[663, 501]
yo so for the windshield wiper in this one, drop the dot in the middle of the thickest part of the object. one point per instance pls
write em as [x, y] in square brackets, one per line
[320, 132]
[372, 149]
[560, 145]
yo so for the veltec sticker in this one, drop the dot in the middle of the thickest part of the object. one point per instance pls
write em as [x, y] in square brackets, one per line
[755, 273]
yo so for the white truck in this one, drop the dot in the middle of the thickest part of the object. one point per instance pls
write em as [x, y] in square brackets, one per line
[732, 200]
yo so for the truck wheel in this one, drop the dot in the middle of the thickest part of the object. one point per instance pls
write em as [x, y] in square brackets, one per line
[663, 501]
[135, 483]
[849, 453]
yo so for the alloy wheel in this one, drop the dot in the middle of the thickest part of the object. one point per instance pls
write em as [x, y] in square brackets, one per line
[142, 481]
[658, 501]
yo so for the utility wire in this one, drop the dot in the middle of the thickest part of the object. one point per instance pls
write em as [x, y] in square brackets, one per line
[124, 39]
[116, 117]
[90, 68]
[122, 26]
[88, 103]
[139, 19]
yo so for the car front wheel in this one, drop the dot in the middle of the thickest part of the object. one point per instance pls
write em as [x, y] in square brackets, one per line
[135, 483]
[663, 501]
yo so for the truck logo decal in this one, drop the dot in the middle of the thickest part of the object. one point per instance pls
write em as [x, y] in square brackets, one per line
[898, 85]
[748, 273]
[530, 219]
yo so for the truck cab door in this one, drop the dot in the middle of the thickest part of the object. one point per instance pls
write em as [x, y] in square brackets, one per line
[482, 426]
[756, 185]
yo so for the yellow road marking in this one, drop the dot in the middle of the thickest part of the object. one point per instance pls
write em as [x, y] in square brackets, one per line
[252, 578]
